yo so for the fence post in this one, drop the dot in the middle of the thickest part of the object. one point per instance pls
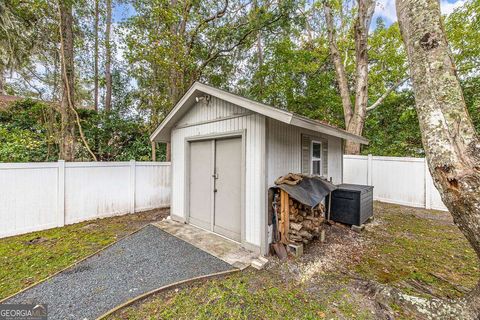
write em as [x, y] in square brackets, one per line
[132, 186]
[428, 186]
[61, 194]
[369, 169]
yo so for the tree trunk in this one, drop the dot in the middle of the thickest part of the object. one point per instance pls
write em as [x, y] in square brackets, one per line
[108, 58]
[261, 83]
[168, 156]
[96, 57]
[352, 147]
[2, 81]
[67, 133]
[154, 151]
[57, 76]
[362, 24]
[340, 72]
[177, 76]
[354, 119]
[451, 143]
[175, 84]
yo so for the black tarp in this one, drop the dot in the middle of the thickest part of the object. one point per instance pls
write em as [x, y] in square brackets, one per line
[310, 191]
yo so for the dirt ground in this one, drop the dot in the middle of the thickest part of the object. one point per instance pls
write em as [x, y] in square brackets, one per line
[402, 248]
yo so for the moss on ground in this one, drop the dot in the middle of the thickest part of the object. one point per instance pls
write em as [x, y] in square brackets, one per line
[404, 244]
[31, 257]
[411, 247]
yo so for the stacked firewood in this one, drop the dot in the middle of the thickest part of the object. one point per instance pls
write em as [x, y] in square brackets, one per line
[305, 223]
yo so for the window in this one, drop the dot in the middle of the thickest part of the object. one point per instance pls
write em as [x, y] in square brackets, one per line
[316, 166]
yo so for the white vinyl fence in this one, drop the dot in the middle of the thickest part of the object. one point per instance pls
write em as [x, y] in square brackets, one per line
[37, 196]
[405, 181]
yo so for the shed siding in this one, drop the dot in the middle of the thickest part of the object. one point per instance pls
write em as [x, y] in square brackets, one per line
[237, 119]
[284, 149]
[335, 159]
[216, 109]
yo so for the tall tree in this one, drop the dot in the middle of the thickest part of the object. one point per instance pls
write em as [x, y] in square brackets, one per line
[18, 36]
[95, 77]
[172, 44]
[451, 144]
[67, 132]
[108, 57]
[354, 113]
[463, 31]
[259, 46]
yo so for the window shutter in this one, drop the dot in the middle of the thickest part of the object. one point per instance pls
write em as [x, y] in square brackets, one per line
[306, 154]
[325, 158]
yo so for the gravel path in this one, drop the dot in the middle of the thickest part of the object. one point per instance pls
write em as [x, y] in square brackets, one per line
[144, 261]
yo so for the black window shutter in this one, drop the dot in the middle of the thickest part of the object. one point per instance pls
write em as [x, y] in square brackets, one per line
[306, 154]
[325, 158]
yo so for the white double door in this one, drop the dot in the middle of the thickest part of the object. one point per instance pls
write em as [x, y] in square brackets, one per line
[215, 186]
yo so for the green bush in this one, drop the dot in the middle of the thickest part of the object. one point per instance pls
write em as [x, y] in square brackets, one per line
[29, 133]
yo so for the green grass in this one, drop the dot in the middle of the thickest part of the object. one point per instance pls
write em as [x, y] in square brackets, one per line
[245, 295]
[29, 258]
[407, 246]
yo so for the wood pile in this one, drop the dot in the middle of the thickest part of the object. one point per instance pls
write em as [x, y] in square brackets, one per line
[298, 223]
[305, 222]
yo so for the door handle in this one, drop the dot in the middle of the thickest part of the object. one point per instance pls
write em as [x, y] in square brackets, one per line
[215, 190]
[215, 175]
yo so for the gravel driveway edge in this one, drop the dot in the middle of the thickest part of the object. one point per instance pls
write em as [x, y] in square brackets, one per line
[72, 265]
[165, 288]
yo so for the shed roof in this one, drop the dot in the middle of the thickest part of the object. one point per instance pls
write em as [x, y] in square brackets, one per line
[162, 133]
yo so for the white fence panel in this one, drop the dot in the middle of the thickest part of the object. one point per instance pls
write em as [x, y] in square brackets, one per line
[434, 201]
[399, 180]
[28, 198]
[94, 190]
[152, 186]
[355, 169]
[405, 181]
[38, 196]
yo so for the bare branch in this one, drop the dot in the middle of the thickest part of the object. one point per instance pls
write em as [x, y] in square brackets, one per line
[220, 52]
[386, 93]
[186, 12]
[217, 15]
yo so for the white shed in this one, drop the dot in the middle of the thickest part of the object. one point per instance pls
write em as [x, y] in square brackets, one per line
[227, 150]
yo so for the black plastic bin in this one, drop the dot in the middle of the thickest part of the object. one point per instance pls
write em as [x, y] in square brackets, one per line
[352, 204]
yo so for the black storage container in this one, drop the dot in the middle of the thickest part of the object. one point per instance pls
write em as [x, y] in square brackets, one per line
[352, 204]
